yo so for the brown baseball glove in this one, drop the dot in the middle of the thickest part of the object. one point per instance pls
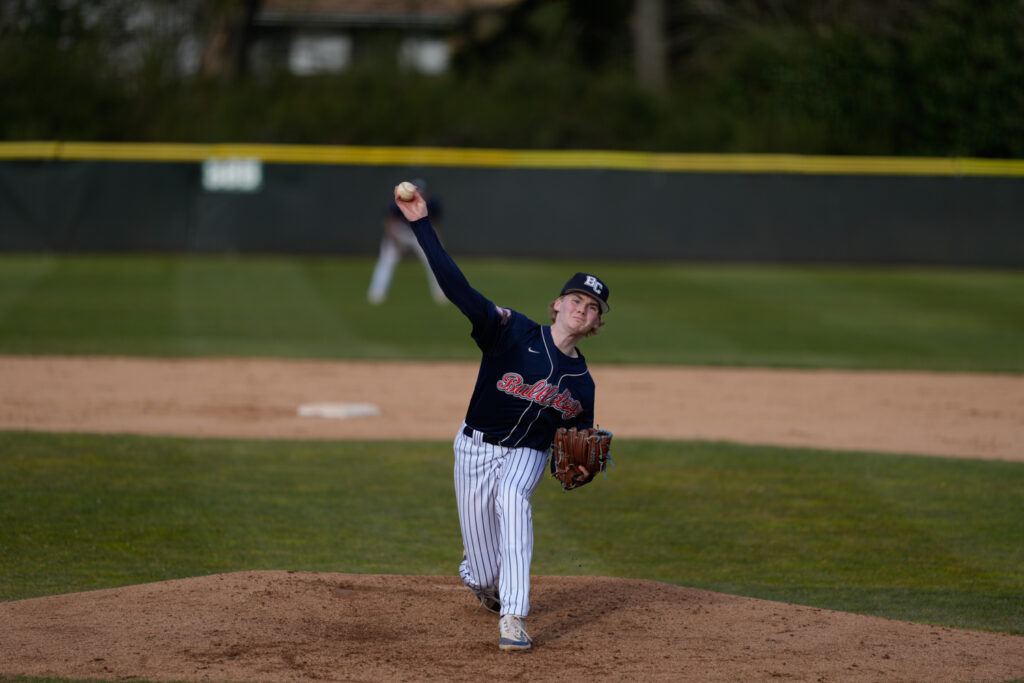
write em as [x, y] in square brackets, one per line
[578, 455]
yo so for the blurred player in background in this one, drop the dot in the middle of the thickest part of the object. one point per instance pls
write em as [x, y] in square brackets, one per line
[397, 239]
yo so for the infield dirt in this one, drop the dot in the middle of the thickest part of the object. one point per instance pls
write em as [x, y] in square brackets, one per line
[293, 626]
[945, 414]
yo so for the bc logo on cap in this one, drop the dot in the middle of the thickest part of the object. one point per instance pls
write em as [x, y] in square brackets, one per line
[588, 284]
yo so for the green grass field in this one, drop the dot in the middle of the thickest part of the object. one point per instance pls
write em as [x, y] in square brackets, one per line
[661, 313]
[924, 539]
[906, 537]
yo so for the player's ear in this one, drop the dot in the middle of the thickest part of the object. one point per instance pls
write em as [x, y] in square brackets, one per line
[556, 305]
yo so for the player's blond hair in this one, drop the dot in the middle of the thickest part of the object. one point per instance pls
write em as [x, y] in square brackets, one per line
[552, 313]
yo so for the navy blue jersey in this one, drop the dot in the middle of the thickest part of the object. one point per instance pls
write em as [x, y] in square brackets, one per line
[526, 387]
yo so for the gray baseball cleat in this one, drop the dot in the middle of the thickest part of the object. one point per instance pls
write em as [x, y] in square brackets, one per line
[488, 599]
[513, 633]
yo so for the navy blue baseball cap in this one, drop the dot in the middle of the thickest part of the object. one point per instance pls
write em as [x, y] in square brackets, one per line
[590, 285]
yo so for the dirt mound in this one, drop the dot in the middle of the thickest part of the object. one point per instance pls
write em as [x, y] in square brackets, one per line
[296, 626]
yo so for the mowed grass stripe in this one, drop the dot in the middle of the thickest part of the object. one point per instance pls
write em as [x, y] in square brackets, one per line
[905, 537]
[305, 307]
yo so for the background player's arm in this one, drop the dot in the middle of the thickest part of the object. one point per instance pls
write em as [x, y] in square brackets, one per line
[392, 226]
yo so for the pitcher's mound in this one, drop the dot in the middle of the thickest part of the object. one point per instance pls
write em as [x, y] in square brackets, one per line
[297, 626]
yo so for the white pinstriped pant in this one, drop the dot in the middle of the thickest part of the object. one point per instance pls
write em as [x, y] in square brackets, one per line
[493, 486]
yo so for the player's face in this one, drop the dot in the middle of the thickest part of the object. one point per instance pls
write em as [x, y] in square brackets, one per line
[578, 312]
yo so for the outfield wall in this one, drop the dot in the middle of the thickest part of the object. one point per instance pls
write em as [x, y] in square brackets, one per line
[506, 203]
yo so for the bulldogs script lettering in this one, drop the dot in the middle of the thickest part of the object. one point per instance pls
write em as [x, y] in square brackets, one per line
[540, 392]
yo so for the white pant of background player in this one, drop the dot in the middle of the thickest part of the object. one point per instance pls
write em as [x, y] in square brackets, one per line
[493, 486]
[392, 248]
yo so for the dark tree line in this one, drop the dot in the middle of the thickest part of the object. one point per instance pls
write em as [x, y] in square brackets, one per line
[937, 78]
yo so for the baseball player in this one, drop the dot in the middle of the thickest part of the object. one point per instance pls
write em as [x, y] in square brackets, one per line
[395, 242]
[532, 380]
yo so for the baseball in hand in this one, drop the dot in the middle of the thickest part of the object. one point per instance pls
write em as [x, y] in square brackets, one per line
[406, 191]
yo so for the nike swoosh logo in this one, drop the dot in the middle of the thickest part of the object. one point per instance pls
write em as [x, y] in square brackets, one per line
[530, 349]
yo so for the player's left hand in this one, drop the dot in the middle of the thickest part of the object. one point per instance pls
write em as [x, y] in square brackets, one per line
[415, 208]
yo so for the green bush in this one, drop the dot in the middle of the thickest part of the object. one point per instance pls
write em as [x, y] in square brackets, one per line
[931, 79]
